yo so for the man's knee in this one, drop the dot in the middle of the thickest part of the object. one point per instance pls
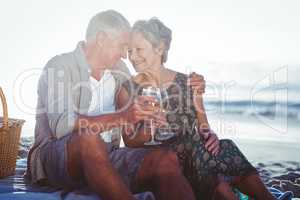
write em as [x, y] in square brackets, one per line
[83, 149]
[87, 145]
[165, 163]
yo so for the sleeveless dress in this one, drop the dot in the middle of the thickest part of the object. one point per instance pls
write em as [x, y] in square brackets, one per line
[202, 169]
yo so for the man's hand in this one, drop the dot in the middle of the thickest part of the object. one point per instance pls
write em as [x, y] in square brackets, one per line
[142, 109]
[197, 83]
[212, 143]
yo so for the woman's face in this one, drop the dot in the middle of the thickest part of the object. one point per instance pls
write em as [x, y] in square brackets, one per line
[142, 54]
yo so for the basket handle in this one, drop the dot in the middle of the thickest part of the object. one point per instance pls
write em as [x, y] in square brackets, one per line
[5, 112]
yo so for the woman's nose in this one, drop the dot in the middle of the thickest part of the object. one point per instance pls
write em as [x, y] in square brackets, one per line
[132, 55]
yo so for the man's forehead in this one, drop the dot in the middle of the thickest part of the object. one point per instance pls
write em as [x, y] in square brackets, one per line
[124, 37]
[124, 34]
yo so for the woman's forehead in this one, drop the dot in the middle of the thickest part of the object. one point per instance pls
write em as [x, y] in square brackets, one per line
[138, 38]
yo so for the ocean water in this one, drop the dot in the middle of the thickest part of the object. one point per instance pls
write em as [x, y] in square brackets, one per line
[258, 120]
[268, 112]
[264, 109]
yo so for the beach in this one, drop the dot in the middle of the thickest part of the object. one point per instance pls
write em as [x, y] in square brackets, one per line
[270, 142]
[277, 162]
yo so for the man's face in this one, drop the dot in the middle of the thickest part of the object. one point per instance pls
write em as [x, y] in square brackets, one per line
[115, 48]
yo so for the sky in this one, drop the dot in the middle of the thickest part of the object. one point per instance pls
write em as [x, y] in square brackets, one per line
[233, 40]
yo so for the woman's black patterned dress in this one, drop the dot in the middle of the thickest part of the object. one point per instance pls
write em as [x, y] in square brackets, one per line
[202, 169]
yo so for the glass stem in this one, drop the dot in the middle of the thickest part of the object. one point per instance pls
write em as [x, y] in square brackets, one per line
[152, 130]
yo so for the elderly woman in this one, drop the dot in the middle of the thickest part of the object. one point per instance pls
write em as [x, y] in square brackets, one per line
[209, 164]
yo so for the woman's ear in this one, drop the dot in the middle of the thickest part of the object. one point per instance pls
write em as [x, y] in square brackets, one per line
[160, 49]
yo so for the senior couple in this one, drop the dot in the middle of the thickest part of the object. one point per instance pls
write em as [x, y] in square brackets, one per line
[89, 92]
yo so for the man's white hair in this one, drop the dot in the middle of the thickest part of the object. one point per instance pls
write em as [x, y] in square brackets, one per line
[110, 22]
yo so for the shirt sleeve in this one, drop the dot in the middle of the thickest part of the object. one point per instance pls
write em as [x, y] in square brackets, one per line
[57, 93]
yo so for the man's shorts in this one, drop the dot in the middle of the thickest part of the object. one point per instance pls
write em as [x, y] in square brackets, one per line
[126, 162]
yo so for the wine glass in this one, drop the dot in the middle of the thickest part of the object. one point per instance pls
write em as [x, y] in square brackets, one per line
[152, 92]
[164, 133]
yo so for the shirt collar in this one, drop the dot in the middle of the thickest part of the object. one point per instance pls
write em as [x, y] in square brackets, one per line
[106, 75]
[80, 56]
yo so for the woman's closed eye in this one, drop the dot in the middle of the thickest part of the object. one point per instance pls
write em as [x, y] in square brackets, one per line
[135, 50]
[138, 50]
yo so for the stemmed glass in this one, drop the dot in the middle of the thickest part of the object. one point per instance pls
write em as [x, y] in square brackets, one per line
[164, 133]
[152, 92]
[160, 95]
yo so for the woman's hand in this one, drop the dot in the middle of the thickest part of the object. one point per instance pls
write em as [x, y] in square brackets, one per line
[212, 143]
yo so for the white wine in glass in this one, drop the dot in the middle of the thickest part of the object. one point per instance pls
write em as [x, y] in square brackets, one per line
[164, 133]
[152, 92]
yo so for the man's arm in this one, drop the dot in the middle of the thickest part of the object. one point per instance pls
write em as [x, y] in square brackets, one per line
[57, 96]
[197, 83]
[61, 107]
[101, 123]
[135, 134]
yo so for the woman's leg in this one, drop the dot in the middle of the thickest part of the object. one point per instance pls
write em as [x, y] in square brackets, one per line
[206, 184]
[203, 187]
[254, 187]
[224, 191]
[229, 162]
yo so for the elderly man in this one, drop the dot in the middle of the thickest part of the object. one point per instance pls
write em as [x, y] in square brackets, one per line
[74, 91]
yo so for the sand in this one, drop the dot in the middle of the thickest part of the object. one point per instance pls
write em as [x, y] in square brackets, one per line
[277, 162]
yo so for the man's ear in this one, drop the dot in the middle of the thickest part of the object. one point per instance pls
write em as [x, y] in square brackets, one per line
[100, 38]
[161, 48]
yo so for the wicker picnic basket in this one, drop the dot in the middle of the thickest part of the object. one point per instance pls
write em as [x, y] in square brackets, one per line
[10, 130]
